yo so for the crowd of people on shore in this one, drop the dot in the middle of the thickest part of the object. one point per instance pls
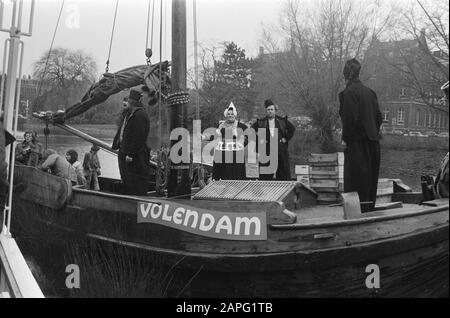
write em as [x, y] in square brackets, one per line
[30, 152]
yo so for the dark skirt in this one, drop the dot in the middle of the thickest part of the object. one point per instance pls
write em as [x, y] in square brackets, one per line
[229, 165]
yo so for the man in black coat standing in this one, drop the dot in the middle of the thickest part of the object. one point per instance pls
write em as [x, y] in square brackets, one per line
[361, 121]
[131, 140]
[285, 131]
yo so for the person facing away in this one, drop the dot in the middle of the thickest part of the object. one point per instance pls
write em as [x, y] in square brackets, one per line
[29, 151]
[361, 121]
[72, 158]
[91, 167]
[131, 141]
[285, 131]
[229, 162]
[58, 166]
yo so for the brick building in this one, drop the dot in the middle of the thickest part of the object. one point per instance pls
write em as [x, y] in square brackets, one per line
[401, 107]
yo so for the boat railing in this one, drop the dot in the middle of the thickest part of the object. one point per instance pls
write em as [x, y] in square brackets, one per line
[16, 279]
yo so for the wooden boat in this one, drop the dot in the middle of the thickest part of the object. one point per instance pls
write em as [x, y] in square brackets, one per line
[310, 251]
[272, 243]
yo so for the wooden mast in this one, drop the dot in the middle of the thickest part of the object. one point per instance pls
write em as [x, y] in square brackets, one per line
[179, 180]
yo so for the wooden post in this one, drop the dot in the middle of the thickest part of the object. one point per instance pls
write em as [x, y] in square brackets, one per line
[179, 181]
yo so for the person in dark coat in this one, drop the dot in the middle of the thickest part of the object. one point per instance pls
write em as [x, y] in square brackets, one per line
[285, 131]
[229, 162]
[130, 140]
[361, 122]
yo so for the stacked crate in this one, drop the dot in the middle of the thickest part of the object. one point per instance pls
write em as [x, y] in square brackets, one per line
[327, 176]
[302, 173]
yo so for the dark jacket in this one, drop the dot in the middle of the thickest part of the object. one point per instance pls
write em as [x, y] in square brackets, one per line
[137, 126]
[360, 113]
[285, 130]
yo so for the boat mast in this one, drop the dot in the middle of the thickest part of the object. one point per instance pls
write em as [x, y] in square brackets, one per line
[179, 180]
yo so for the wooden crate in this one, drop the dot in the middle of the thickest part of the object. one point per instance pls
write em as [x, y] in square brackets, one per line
[324, 170]
[327, 159]
[302, 173]
[325, 183]
[302, 170]
[304, 180]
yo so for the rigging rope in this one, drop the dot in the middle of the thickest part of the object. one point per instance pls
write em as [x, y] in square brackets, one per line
[148, 23]
[153, 19]
[50, 50]
[160, 72]
[112, 36]
[197, 101]
[201, 170]
[148, 51]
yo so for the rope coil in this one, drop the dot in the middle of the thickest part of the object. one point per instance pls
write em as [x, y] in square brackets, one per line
[178, 98]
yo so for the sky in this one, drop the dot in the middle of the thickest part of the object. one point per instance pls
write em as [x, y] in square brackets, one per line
[87, 25]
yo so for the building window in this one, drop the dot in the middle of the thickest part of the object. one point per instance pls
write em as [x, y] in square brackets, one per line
[429, 118]
[402, 92]
[434, 120]
[439, 120]
[401, 116]
[418, 118]
[386, 116]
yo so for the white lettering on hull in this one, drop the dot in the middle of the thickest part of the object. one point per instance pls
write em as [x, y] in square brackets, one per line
[224, 225]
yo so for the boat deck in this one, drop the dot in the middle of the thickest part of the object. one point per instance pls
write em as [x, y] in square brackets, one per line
[325, 214]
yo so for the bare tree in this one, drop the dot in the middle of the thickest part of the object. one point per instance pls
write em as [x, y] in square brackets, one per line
[225, 76]
[316, 42]
[65, 73]
[425, 69]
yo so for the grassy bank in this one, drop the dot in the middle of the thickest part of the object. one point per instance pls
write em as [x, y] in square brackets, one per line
[414, 143]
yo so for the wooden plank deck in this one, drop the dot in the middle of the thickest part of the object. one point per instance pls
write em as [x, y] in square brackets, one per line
[324, 213]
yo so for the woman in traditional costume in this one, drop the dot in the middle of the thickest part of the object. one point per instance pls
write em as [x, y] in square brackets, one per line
[229, 162]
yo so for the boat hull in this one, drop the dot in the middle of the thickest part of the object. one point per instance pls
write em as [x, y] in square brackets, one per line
[320, 259]
[410, 265]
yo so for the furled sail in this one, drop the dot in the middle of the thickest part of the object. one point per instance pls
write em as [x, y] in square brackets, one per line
[113, 83]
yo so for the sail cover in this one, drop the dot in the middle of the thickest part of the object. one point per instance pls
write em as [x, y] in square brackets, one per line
[113, 83]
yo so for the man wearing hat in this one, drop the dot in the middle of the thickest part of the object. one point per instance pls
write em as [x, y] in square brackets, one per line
[131, 141]
[361, 122]
[282, 129]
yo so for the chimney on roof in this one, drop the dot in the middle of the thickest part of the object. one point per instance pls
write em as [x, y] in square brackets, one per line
[261, 51]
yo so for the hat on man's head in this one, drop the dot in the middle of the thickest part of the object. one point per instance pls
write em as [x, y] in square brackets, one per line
[134, 95]
[351, 69]
[268, 103]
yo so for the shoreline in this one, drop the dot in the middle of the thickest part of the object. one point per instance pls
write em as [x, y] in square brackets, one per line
[97, 130]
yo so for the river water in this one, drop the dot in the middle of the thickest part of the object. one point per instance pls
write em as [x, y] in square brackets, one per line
[108, 161]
